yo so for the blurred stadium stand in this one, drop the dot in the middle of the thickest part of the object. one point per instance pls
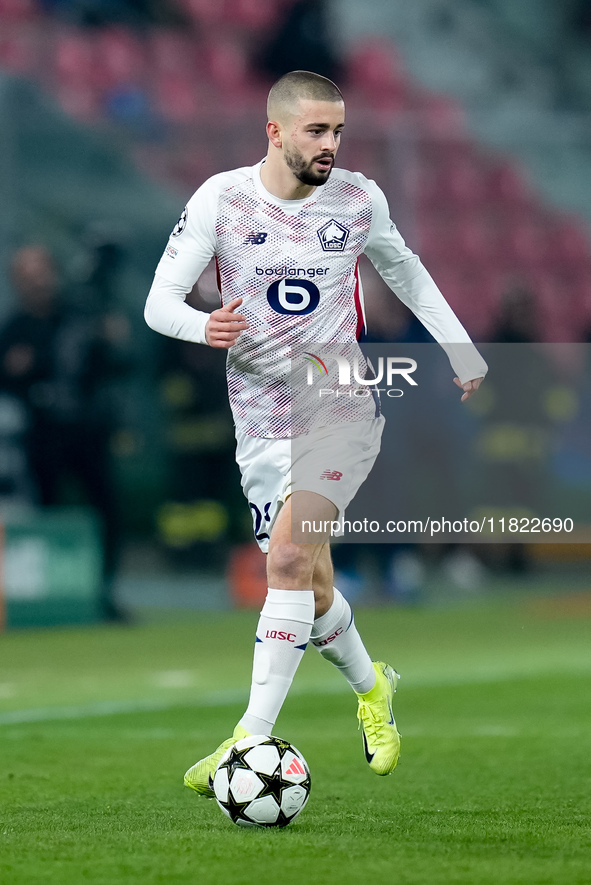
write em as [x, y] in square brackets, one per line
[472, 114]
[462, 109]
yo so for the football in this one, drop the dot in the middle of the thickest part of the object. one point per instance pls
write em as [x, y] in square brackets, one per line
[262, 781]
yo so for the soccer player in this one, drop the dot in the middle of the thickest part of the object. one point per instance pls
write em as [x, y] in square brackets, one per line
[286, 235]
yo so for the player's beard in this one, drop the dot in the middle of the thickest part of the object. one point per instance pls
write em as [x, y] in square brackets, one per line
[304, 171]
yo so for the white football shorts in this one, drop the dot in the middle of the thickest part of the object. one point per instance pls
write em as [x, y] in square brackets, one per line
[333, 461]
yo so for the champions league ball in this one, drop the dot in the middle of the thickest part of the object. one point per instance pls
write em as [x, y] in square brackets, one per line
[262, 781]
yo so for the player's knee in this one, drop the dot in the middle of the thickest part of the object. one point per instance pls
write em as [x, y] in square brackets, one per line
[290, 564]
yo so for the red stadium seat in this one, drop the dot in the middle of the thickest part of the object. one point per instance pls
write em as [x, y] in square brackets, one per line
[376, 75]
[471, 239]
[433, 238]
[470, 293]
[79, 99]
[465, 181]
[570, 243]
[19, 48]
[119, 58]
[75, 57]
[506, 187]
[171, 52]
[451, 178]
[254, 15]
[440, 116]
[227, 65]
[192, 167]
[17, 10]
[375, 65]
[522, 244]
[204, 12]
[177, 98]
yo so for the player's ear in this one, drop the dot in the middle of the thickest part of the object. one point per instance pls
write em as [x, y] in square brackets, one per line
[274, 134]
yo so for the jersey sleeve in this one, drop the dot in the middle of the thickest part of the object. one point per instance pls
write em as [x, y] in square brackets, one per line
[167, 312]
[191, 244]
[189, 250]
[404, 273]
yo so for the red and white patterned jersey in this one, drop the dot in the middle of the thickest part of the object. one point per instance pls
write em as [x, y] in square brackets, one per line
[294, 264]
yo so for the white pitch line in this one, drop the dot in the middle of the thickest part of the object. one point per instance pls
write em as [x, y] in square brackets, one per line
[235, 696]
[138, 705]
[109, 708]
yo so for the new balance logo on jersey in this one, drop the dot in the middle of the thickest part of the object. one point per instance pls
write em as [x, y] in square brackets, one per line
[333, 236]
[255, 239]
[331, 474]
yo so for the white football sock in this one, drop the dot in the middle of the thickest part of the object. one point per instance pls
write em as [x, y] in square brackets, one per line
[282, 634]
[335, 636]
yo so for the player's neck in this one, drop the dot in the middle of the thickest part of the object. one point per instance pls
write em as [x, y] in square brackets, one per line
[282, 183]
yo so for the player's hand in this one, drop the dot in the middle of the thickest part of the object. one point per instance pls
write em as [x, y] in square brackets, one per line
[469, 387]
[224, 326]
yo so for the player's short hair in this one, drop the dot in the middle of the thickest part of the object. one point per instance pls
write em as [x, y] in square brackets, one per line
[292, 87]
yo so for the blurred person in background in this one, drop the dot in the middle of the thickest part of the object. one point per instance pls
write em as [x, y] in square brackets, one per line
[517, 322]
[302, 40]
[99, 13]
[517, 319]
[55, 360]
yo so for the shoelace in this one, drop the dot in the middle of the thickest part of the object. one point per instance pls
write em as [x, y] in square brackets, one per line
[373, 722]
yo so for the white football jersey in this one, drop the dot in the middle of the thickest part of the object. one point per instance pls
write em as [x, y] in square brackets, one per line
[295, 265]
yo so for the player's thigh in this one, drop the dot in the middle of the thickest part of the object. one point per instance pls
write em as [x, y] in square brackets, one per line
[333, 462]
[303, 506]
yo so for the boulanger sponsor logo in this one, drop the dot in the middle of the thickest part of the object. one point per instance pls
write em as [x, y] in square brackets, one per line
[333, 236]
[284, 271]
[390, 371]
[181, 223]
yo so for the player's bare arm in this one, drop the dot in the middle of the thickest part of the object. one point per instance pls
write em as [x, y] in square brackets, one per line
[224, 326]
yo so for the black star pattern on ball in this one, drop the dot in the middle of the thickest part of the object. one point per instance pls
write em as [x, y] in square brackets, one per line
[273, 785]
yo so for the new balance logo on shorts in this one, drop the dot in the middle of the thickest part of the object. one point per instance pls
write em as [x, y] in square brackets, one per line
[255, 239]
[331, 474]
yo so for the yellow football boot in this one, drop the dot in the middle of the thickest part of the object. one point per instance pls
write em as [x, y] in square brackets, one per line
[381, 740]
[200, 776]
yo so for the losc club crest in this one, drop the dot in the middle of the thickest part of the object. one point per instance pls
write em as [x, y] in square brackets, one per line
[333, 236]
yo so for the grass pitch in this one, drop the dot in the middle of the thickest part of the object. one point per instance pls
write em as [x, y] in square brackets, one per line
[98, 725]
